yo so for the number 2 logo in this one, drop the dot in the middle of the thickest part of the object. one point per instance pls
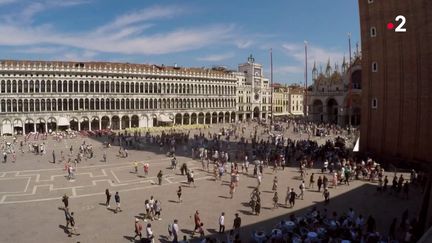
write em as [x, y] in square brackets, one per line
[400, 26]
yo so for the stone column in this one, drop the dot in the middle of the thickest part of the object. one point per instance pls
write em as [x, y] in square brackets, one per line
[100, 123]
[130, 122]
[46, 126]
[79, 125]
[120, 123]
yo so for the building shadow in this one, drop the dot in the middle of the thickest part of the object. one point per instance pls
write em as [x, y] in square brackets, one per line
[363, 199]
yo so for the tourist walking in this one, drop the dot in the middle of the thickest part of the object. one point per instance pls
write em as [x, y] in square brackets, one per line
[65, 200]
[138, 229]
[275, 184]
[73, 225]
[319, 183]
[325, 182]
[150, 235]
[311, 181]
[287, 196]
[237, 223]
[67, 217]
[159, 176]
[175, 231]
[258, 206]
[302, 189]
[179, 194]
[197, 221]
[259, 178]
[157, 209]
[275, 200]
[292, 197]
[135, 165]
[108, 198]
[173, 163]
[146, 169]
[326, 195]
[117, 200]
[222, 223]
[191, 178]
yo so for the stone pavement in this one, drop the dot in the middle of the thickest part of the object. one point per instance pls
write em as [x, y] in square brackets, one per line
[31, 190]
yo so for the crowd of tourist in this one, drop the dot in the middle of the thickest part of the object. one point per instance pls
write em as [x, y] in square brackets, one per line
[232, 152]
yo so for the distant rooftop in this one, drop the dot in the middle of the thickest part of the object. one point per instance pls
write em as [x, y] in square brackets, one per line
[110, 66]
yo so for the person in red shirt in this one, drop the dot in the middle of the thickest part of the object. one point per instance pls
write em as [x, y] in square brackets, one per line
[138, 229]
[197, 223]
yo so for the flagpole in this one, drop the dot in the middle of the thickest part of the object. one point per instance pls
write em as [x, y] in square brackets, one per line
[271, 86]
[350, 83]
[305, 105]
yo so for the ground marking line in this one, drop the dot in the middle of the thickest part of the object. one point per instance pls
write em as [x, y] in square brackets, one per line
[2, 201]
[84, 167]
[115, 177]
[12, 178]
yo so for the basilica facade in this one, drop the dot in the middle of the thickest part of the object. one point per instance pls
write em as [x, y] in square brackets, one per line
[331, 99]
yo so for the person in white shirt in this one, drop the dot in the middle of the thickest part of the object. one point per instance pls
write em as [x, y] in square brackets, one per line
[259, 178]
[175, 230]
[150, 235]
[326, 163]
[222, 223]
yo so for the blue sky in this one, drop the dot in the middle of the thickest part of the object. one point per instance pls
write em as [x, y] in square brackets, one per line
[189, 33]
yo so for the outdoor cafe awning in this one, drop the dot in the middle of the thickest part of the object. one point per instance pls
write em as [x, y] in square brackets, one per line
[164, 118]
[63, 121]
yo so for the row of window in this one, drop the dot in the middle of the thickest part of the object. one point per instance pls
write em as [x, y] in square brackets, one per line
[373, 33]
[138, 78]
[48, 86]
[32, 105]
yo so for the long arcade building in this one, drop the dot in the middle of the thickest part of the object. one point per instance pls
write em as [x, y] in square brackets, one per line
[42, 96]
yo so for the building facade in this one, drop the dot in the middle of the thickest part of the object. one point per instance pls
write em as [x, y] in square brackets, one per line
[253, 91]
[397, 80]
[330, 97]
[296, 100]
[280, 100]
[42, 96]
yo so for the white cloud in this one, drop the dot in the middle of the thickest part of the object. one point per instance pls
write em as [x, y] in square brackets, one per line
[32, 8]
[170, 42]
[122, 35]
[140, 16]
[216, 57]
[242, 44]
